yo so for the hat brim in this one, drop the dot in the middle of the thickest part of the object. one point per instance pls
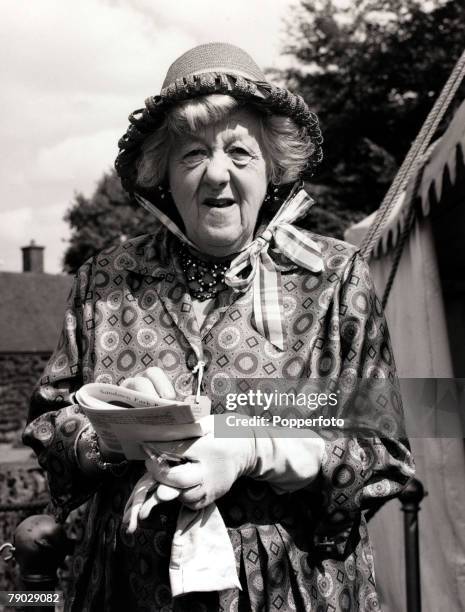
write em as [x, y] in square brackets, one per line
[270, 98]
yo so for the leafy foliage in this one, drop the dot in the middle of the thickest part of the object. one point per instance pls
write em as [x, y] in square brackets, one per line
[372, 70]
[108, 216]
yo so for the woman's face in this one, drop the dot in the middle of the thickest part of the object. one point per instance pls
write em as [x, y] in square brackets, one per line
[218, 180]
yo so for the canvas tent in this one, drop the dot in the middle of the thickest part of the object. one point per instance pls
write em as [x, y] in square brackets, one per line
[426, 316]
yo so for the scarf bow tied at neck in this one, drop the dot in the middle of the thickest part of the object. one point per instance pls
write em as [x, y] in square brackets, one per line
[255, 267]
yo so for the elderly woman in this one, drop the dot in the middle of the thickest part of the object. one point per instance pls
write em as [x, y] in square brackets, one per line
[228, 289]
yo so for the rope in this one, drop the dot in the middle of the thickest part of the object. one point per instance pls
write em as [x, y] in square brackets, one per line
[410, 164]
[402, 240]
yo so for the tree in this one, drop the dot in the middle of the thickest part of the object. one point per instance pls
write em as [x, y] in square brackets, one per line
[371, 69]
[108, 216]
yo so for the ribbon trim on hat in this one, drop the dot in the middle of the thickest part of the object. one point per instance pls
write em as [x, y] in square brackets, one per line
[264, 276]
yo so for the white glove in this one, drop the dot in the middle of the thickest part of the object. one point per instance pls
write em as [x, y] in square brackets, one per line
[147, 494]
[211, 467]
[214, 464]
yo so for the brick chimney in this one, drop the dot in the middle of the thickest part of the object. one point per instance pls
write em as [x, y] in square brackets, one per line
[33, 258]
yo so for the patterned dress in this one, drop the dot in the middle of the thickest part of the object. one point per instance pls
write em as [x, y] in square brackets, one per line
[308, 550]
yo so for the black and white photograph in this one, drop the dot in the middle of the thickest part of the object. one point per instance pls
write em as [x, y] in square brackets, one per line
[232, 306]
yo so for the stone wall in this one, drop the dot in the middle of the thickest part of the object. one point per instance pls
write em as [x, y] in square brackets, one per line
[19, 372]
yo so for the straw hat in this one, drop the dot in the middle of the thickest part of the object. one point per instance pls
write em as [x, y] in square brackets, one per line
[207, 69]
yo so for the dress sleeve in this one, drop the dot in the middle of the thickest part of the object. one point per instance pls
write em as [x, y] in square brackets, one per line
[57, 430]
[371, 461]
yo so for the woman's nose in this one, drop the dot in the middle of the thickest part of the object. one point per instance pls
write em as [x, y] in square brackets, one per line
[217, 171]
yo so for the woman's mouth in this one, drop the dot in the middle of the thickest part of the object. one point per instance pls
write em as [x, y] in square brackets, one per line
[218, 202]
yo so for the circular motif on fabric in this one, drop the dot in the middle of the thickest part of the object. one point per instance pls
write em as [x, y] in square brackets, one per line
[255, 580]
[183, 384]
[345, 600]
[270, 350]
[246, 363]
[149, 299]
[343, 476]
[109, 340]
[348, 379]
[43, 432]
[374, 372]
[229, 337]
[69, 427]
[115, 299]
[126, 360]
[278, 575]
[350, 329]
[311, 282]
[367, 455]
[70, 320]
[176, 292]
[293, 368]
[162, 595]
[105, 379]
[168, 320]
[128, 316]
[124, 262]
[303, 323]
[325, 584]
[349, 564]
[147, 337]
[326, 362]
[387, 426]
[336, 261]
[101, 279]
[382, 488]
[220, 384]
[359, 302]
[289, 305]
[371, 602]
[169, 359]
[60, 363]
[325, 297]
[162, 543]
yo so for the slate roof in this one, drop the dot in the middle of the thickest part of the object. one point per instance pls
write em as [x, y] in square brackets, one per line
[32, 306]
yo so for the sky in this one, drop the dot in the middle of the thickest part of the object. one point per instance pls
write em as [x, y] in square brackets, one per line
[71, 74]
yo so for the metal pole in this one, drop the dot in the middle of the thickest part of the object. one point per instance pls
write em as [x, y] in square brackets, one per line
[410, 499]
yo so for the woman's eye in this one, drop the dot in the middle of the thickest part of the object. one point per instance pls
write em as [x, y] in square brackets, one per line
[194, 155]
[240, 154]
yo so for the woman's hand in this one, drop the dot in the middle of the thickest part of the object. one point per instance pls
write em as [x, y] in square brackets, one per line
[153, 382]
[212, 466]
[147, 494]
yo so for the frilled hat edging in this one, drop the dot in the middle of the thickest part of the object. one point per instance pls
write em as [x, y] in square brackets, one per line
[207, 69]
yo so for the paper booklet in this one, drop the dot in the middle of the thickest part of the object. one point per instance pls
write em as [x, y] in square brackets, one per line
[124, 419]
